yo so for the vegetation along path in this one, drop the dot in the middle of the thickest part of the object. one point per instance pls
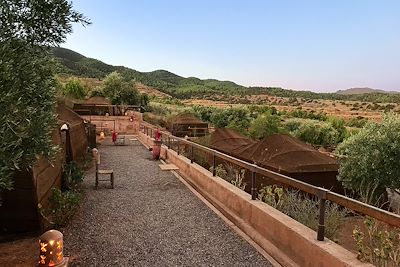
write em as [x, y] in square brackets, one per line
[149, 219]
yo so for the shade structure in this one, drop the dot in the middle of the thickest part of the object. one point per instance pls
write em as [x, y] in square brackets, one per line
[283, 154]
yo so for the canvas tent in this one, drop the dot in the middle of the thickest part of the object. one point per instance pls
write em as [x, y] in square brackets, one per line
[187, 125]
[283, 154]
[19, 207]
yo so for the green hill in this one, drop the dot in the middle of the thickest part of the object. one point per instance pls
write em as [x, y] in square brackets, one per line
[73, 63]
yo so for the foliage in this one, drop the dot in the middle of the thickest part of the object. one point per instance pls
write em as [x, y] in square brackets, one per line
[264, 125]
[304, 209]
[378, 246]
[371, 157]
[298, 113]
[229, 173]
[358, 122]
[74, 88]
[313, 132]
[27, 85]
[72, 175]
[120, 91]
[63, 205]
[234, 118]
[339, 125]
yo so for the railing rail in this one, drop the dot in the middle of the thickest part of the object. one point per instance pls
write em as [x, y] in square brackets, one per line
[322, 193]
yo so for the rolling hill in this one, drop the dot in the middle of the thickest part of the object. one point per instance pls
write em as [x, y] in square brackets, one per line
[364, 90]
[73, 63]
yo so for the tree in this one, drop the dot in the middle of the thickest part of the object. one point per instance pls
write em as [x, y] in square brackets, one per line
[370, 159]
[265, 125]
[313, 132]
[74, 89]
[120, 91]
[27, 93]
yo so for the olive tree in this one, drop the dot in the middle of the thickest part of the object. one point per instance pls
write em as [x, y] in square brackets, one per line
[75, 88]
[27, 85]
[120, 91]
[264, 125]
[369, 160]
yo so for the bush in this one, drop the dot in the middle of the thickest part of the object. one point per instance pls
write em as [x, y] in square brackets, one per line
[63, 206]
[378, 245]
[72, 175]
[74, 88]
[304, 209]
[120, 91]
[370, 158]
[264, 125]
[313, 132]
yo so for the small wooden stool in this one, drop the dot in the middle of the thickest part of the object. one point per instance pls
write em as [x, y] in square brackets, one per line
[96, 156]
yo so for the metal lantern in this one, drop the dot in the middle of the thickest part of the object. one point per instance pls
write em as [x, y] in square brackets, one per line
[51, 249]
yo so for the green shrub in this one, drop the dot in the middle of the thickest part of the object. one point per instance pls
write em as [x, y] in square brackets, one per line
[264, 125]
[304, 209]
[378, 245]
[313, 132]
[72, 175]
[63, 206]
[74, 88]
[370, 158]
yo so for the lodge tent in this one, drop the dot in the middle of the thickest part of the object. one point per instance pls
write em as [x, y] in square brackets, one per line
[283, 154]
[187, 125]
[75, 140]
[32, 187]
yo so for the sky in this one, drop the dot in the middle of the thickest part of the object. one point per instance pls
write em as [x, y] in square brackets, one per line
[321, 46]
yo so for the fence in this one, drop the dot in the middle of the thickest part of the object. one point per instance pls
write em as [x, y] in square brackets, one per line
[323, 194]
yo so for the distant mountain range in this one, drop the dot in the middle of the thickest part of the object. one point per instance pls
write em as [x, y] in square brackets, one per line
[73, 63]
[364, 90]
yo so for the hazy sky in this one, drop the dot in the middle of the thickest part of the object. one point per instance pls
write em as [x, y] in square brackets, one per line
[313, 45]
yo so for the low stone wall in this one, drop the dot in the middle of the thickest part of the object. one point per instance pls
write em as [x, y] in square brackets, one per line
[121, 124]
[286, 240]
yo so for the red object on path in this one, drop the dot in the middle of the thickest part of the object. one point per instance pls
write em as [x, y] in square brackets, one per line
[157, 135]
[156, 150]
[114, 136]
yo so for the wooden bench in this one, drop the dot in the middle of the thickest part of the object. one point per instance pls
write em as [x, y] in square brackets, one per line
[96, 155]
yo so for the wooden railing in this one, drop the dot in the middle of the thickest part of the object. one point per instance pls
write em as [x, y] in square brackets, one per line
[322, 193]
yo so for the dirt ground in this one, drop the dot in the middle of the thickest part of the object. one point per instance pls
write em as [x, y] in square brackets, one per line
[23, 252]
[343, 109]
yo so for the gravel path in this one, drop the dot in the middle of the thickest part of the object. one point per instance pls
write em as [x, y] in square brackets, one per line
[149, 219]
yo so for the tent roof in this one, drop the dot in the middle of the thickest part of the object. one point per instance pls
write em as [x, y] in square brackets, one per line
[186, 119]
[278, 152]
[67, 115]
[228, 140]
[99, 100]
[284, 153]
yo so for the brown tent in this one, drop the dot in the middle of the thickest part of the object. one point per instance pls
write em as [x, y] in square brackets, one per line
[229, 141]
[19, 207]
[283, 154]
[187, 124]
[76, 144]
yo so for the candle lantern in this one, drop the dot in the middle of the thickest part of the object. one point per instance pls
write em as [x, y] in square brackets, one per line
[51, 249]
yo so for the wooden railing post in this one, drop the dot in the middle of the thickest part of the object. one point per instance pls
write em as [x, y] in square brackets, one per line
[253, 186]
[321, 220]
[214, 171]
[191, 154]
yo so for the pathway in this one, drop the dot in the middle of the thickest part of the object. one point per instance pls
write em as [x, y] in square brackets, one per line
[149, 219]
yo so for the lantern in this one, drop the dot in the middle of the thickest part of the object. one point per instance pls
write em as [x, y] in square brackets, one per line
[51, 249]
